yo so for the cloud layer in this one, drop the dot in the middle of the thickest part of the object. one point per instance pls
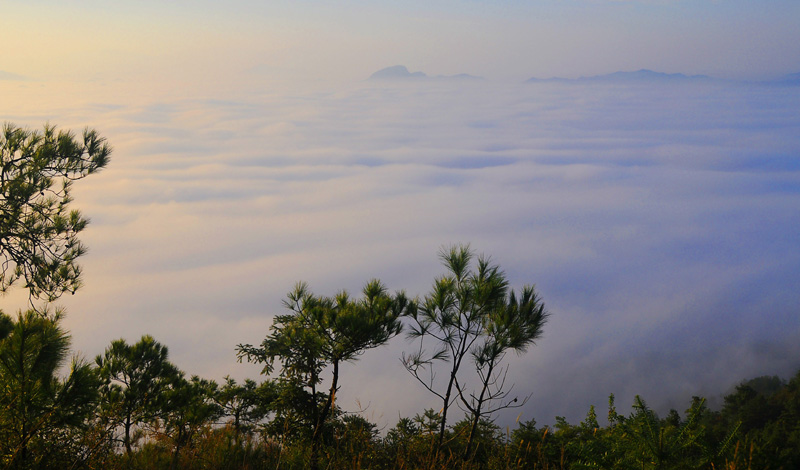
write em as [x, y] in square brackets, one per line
[657, 221]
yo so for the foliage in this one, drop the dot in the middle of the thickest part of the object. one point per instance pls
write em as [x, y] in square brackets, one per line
[38, 230]
[319, 332]
[185, 430]
[513, 325]
[470, 312]
[247, 404]
[45, 422]
[453, 316]
[135, 379]
[188, 408]
[37, 410]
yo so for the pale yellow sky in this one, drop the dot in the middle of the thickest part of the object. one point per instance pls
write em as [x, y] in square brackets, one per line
[315, 40]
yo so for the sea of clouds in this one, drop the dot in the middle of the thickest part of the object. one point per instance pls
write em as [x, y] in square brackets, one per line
[659, 222]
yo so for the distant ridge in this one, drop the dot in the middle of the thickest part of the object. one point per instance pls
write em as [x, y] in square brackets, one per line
[550, 80]
[12, 76]
[400, 72]
[459, 76]
[395, 72]
[643, 75]
[791, 79]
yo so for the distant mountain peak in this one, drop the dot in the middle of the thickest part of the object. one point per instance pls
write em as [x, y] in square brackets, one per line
[395, 72]
[645, 74]
[460, 76]
[12, 76]
[400, 72]
[642, 75]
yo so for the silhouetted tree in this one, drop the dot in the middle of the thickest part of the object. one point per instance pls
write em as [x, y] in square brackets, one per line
[135, 378]
[453, 316]
[36, 407]
[38, 230]
[513, 325]
[326, 331]
[245, 404]
[471, 313]
[188, 406]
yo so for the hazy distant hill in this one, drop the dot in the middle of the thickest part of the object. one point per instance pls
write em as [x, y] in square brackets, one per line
[396, 72]
[11, 76]
[400, 72]
[643, 75]
[459, 76]
[791, 79]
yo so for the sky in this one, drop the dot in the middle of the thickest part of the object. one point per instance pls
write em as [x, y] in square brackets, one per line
[658, 221]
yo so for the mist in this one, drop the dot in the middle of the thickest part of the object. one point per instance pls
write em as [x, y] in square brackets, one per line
[658, 222]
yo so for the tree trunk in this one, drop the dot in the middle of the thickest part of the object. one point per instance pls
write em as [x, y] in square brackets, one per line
[323, 416]
[476, 414]
[446, 405]
[461, 351]
[176, 455]
[128, 449]
[23, 406]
